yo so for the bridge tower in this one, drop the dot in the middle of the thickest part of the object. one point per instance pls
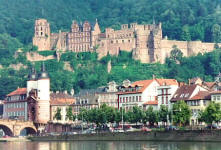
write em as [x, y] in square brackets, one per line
[43, 98]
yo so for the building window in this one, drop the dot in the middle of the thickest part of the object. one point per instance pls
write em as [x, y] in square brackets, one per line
[123, 100]
[126, 99]
[166, 99]
[136, 98]
[130, 99]
[139, 98]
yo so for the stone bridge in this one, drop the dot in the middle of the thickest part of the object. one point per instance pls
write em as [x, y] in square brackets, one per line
[15, 127]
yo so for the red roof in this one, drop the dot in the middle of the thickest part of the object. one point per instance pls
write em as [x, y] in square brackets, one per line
[61, 99]
[201, 95]
[18, 91]
[151, 103]
[143, 83]
[167, 81]
[209, 84]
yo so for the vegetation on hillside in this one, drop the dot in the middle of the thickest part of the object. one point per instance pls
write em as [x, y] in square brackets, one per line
[182, 20]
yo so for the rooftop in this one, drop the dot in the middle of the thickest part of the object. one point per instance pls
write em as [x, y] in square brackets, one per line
[18, 91]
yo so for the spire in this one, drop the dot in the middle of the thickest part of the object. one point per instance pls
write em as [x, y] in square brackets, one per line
[153, 20]
[96, 20]
[43, 74]
[32, 75]
[43, 67]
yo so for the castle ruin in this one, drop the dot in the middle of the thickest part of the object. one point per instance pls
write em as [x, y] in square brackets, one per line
[146, 42]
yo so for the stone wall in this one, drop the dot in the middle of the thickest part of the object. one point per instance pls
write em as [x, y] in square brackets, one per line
[185, 136]
[34, 56]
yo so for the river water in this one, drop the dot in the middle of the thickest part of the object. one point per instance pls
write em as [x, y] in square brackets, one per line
[94, 145]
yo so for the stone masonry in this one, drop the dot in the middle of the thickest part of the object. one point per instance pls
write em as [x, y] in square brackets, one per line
[144, 41]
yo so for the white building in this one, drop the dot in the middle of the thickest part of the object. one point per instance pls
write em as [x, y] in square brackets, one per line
[165, 91]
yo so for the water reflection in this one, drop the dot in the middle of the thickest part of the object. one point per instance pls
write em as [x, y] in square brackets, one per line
[92, 145]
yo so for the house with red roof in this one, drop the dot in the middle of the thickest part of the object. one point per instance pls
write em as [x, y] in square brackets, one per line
[16, 105]
[196, 96]
[137, 94]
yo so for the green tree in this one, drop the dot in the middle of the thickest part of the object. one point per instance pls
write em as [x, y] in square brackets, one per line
[163, 113]
[69, 114]
[109, 112]
[181, 113]
[151, 116]
[185, 35]
[211, 114]
[176, 54]
[216, 33]
[57, 115]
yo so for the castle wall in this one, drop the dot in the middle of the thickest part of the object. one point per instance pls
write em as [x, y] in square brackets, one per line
[33, 56]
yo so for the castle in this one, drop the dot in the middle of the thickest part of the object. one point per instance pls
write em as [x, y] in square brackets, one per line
[146, 42]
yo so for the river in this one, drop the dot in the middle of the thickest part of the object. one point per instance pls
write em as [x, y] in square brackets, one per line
[94, 145]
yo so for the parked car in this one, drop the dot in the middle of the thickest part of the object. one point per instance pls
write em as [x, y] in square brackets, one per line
[118, 130]
[170, 128]
[213, 126]
[132, 129]
[145, 129]
[89, 131]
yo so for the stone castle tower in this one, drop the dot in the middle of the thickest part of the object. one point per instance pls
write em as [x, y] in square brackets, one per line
[42, 35]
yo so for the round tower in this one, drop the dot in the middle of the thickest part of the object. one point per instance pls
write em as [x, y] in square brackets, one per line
[43, 99]
[42, 35]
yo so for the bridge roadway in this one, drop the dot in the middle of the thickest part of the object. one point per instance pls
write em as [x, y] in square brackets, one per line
[15, 127]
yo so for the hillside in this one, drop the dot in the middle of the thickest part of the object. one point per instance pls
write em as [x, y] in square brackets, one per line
[182, 20]
[85, 71]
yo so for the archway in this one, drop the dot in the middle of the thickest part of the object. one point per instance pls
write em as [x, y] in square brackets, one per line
[6, 130]
[27, 131]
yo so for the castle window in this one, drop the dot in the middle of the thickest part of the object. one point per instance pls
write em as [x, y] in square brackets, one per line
[129, 41]
[111, 42]
[130, 34]
[41, 28]
[122, 41]
[41, 33]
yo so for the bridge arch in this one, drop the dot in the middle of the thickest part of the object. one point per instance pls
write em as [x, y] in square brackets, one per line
[27, 131]
[7, 130]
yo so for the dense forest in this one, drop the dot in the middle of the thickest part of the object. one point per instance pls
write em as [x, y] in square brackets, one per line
[181, 20]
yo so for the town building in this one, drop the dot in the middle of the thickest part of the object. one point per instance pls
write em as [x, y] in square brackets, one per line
[216, 96]
[166, 90]
[196, 96]
[108, 95]
[85, 99]
[146, 41]
[15, 105]
[144, 93]
[62, 101]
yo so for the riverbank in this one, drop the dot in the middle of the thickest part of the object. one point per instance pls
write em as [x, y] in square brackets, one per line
[185, 136]
[14, 139]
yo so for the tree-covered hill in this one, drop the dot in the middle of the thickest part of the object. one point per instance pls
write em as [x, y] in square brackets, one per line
[88, 72]
[182, 19]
